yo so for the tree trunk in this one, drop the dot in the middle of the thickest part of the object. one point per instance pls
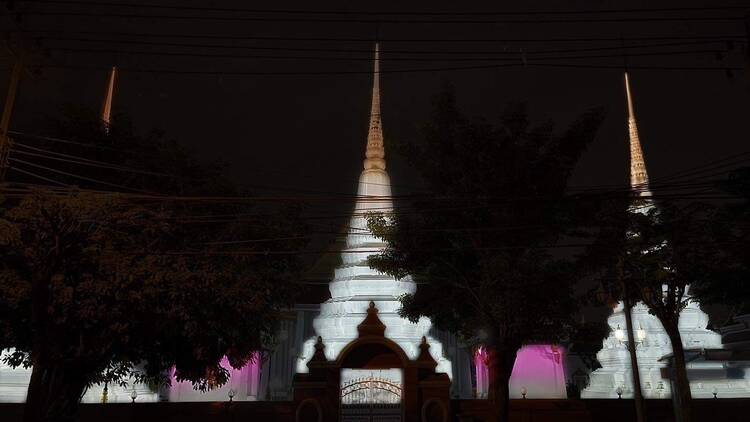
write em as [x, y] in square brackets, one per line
[54, 393]
[640, 411]
[500, 365]
[682, 399]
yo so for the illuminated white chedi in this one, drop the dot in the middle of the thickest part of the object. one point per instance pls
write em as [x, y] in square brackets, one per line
[614, 357]
[355, 284]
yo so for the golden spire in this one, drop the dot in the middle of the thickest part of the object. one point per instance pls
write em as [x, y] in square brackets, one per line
[375, 151]
[109, 97]
[638, 174]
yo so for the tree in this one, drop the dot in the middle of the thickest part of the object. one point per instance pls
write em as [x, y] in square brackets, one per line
[99, 286]
[604, 260]
[584, 343]
[658, 252]
[93, 287]
[725, 280]
[479, 242]
[663, 252]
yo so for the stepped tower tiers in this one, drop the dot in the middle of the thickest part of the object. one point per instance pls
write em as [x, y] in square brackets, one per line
[355, 284]
[705, 377]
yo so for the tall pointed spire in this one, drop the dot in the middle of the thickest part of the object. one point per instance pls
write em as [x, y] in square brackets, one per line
[638, 174]
[109, 97]
[375, 151]
[355, 284]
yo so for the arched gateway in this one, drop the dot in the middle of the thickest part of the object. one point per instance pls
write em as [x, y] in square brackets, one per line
[421, 394]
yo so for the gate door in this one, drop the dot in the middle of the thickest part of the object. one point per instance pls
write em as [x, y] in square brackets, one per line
[371, 399]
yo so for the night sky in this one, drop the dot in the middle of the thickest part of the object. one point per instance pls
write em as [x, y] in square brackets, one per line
[308, 132]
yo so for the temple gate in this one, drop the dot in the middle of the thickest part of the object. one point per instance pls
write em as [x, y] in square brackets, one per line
[421, 394]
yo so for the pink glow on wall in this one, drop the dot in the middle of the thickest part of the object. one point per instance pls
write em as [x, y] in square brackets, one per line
[538, 368]
[244, 381]
[482, 372]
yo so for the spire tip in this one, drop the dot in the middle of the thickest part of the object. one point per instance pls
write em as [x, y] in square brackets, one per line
[638, 174]
[109, 98]
[375, 153]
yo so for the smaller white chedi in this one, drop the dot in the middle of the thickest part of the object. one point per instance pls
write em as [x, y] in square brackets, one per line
[615, 375]
[654, 344]
[355, 284]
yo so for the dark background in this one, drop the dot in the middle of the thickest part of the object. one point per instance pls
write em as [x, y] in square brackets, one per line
[287, 130]
[309, 132]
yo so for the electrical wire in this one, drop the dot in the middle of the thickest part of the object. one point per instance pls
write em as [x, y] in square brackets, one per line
[56, 156]
[730, 165]
[367, 51]
[28, 173]
[529, 64]
[721, 162]
[380, 20]
[731, 161]
[623, 42]
[77, 176]
[267, 252]
[25, 135]
[516, 55]
[497, 200]
[384, 12]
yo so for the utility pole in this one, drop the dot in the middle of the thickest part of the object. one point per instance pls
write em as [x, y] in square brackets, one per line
[627, 304]
[10, 100]
[640, 411]
[15, 80]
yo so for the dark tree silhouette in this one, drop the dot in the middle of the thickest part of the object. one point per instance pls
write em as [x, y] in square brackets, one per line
[480, 240]
[100, 286]
[726, 281]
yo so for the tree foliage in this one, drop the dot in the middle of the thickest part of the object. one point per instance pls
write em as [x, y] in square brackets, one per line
[481, 241]
[657, 254]
[99, 286]
[117, 289]
[726, 281]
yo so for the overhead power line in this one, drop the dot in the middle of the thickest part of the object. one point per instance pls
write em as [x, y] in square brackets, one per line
[77, 176]
[56, 156]
[680, 190]
[698, 179]
[385, 12]
[370, 250]
[728, 163]
[683, 180]
[381, 20]
[367, 51]
[36, 176]
[24, 135]
[371, 12]
[529, 64]
[506, 56]
[644, 49]
[369, 40]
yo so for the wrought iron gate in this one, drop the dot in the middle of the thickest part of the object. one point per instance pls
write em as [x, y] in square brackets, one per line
[371, 399]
